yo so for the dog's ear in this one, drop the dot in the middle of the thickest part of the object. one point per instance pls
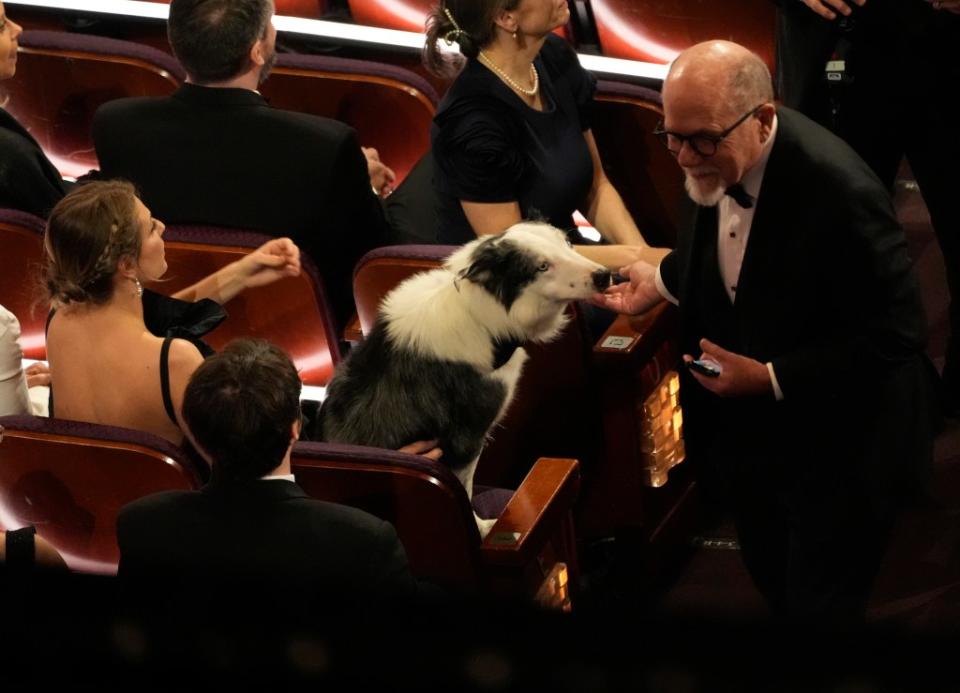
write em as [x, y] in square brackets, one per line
[501, 268]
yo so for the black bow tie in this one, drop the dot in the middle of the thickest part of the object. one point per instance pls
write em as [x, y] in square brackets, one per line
[740, 196]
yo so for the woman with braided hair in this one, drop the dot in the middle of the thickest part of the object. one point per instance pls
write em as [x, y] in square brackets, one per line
[511, 139]
[107, 363]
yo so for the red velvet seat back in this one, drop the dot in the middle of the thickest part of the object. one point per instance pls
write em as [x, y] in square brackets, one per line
[390, 108]
[70, 480]
[654, 31]
[644, 173]
[421, 498]
[63, 78]
[292, 313]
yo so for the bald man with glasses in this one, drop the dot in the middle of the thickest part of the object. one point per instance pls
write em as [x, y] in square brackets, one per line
[808, 409]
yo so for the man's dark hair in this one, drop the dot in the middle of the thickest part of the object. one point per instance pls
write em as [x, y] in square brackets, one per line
[212, 38]
[239, 406]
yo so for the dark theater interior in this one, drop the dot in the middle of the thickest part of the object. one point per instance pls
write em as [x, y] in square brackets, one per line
[635, 509]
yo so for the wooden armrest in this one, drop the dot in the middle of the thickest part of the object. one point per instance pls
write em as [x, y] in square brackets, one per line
[353, 333]
[634, 339]
[533, 513]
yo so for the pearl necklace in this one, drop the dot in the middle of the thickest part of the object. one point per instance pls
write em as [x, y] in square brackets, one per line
[534, 77]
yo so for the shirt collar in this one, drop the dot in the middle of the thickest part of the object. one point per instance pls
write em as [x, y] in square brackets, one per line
[278, 477]
[754, 177]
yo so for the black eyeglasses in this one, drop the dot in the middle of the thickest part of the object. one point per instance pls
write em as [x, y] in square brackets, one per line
[703, 144]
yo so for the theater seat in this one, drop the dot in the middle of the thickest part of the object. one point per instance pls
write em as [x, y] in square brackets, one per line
[403, 15]
[21, 238]
[70, 479]
[310, 9]
[62, 79]
[292, 313]
[556, 402]
[530, 549]
[390, 107]
[611, 404]
[639, 166]
[657, 31]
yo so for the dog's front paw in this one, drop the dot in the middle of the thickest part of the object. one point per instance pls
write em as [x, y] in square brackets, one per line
[485, 526]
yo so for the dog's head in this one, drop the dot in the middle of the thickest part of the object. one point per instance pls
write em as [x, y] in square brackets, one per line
[528, 269]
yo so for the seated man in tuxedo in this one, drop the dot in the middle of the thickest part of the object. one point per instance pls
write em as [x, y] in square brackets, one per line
[216, 153]
[252, 526]
[797, 286]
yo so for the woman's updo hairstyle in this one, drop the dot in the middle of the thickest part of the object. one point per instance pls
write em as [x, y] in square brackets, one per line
[469, 23]
[88, 233]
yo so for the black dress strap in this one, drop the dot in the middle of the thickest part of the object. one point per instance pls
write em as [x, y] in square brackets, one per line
[165, 379]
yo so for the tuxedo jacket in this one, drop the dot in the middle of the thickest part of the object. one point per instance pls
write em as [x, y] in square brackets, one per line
[214, 543]
[28, 181]
[827, 295]
[224, 157]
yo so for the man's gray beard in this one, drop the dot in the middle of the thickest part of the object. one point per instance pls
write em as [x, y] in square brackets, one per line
[709, 199]
[267, 66]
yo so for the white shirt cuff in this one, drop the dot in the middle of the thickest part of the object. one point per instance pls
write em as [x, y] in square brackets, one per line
[777, 392]
[662, 288]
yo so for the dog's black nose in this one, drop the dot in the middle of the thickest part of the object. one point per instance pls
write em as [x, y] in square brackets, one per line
[601, 279]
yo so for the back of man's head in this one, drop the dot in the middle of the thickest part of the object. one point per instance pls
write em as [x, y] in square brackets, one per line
[240, 406]
[212, 38]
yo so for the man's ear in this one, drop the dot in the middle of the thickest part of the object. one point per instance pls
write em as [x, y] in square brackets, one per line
[295, 429]
[765, 115]
[257, 54]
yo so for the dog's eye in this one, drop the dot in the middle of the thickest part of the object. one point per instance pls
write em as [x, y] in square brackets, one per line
[544, 266]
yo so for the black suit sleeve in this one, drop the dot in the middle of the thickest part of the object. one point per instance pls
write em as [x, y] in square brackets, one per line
[669, 274]
[355, 211]
[389, 563]
[868, 274]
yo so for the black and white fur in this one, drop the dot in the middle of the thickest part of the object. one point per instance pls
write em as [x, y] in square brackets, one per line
[443, 358]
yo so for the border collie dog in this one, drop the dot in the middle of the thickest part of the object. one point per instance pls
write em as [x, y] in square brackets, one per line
[443, 358]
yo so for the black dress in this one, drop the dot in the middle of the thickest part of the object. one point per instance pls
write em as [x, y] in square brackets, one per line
[489, 146]
[28, 181]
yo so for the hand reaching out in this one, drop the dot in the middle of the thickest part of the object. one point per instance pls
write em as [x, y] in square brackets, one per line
[638, 295]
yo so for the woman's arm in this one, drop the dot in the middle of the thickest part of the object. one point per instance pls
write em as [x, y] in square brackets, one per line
[496, 217]
[491, 218]
[604, 209]
[272, 261]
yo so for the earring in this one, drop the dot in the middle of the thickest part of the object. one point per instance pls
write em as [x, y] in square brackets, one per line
[139, 286]
[514, 35]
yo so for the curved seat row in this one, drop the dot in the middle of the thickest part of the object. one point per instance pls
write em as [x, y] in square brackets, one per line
[70, 480]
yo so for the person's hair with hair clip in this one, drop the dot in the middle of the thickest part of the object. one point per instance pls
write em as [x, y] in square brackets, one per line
[87, 235]
[101, 243]
[468, 23]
